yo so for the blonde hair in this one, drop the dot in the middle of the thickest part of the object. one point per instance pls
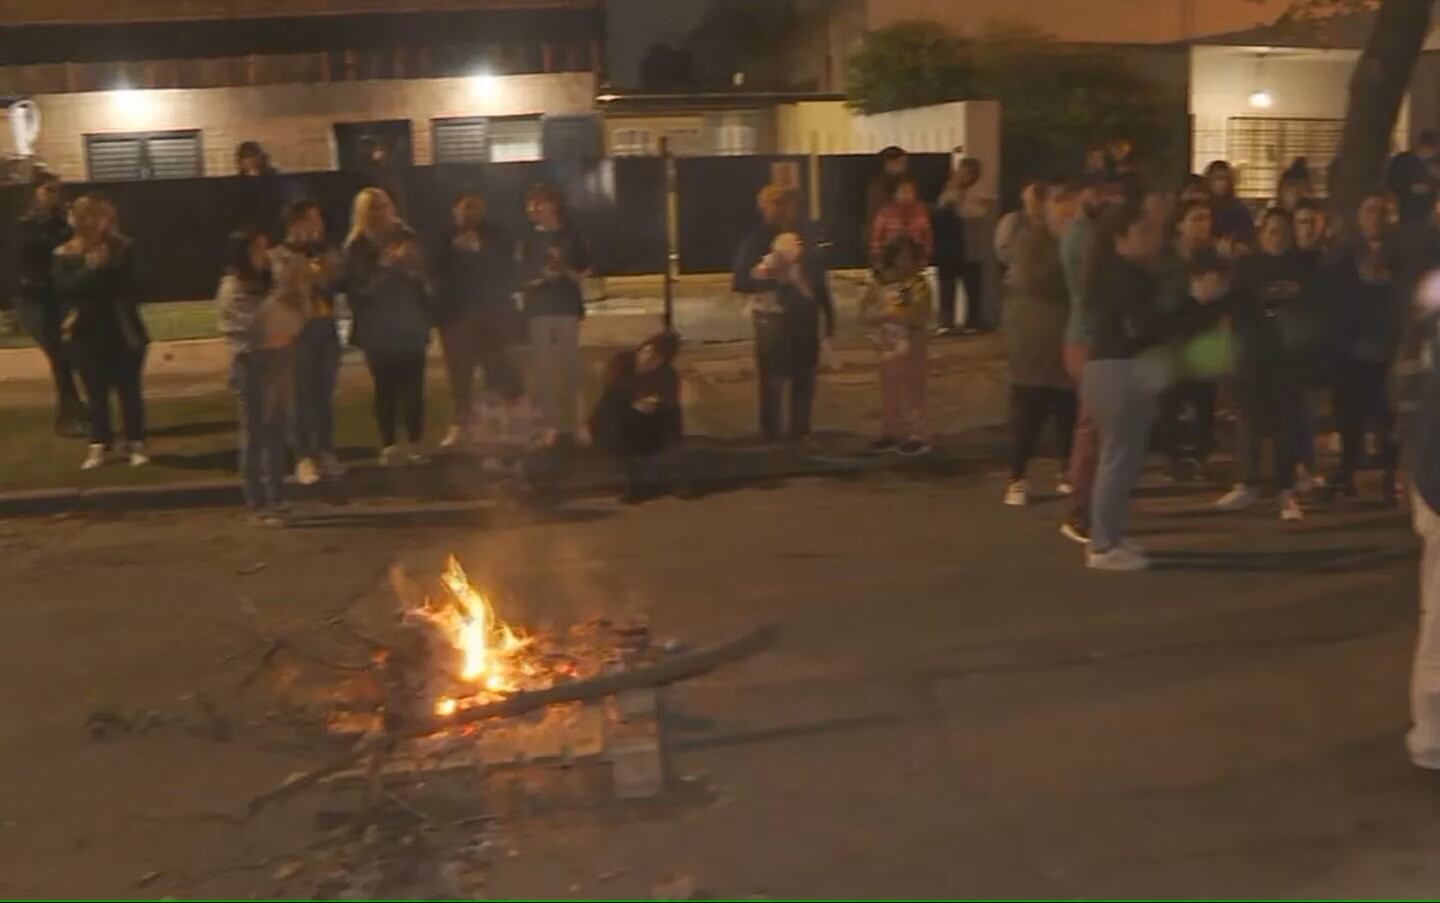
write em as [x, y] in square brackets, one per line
[93, 205]
[360, 212]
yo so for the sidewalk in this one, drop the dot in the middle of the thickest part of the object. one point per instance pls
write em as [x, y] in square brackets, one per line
[194, 458]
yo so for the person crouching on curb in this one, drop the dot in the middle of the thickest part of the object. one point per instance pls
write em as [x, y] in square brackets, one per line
[261, 322]
[638, 418]
[897, 311]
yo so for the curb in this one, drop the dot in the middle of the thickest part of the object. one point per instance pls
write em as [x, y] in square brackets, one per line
[460, 479]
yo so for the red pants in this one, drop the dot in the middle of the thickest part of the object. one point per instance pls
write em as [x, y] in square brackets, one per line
[1085, 452]
[902, 392]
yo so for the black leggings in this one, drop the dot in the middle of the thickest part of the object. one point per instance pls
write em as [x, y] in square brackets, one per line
[1362, 405]
[399, 384]
[107, 371]
[1031, 407]
[1187, 421]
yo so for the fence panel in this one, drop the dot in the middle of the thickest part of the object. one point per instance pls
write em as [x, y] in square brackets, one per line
[717, 204]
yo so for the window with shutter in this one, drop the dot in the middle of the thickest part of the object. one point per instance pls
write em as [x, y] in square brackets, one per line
[464, 140]
[174, 156]
[114, 159]
[572, 137]
[514, 140]
[146, 155]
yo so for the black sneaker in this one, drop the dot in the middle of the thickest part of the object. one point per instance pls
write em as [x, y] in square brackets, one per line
[913, 448]
[1076, 530]
[884, 445]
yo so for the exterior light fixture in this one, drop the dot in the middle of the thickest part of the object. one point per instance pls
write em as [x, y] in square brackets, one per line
[485, 87]
[131, 104]
[1262, 99]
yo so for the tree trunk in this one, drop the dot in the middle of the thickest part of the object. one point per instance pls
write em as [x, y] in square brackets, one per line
[1377, 88]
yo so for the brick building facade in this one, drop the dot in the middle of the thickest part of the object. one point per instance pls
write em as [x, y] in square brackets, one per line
[166, 88]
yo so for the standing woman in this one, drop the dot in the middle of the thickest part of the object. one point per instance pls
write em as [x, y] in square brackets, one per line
[95, 284]
[389, 295]
[1123, 307]
[1037, 308]
[474, 279]
[554, 260]
[783, 275]
[261, 322]
[1274, 320]
[42, 229]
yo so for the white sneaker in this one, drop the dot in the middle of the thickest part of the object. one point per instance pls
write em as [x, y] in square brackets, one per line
[1017, 494]
[392, 456]
[94, 457]
[138, 458]
[1237, 499]
[330, 466]
[1121, 558]
[1290, 510]
[307, 472]
[1063, 488]
[452, 437]
[414, 457]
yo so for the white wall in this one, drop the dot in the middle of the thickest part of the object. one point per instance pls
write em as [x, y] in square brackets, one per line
[815, 127]
[1302, 83]
[970, 125]
[294, 122]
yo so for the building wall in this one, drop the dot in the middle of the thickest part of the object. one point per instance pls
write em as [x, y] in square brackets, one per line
[15, 12]
[815, 127]
[294, 122]
[1302, 84]
[971, 127]
[1097, 21]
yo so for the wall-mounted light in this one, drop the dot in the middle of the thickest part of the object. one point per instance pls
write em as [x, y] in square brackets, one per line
[131, 104]
[1262, 99]
[485, 87]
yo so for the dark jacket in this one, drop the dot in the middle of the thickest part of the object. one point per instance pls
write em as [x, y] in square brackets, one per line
[37, 237]
[1123, 309]
[1408, 178]
[1233, 219]
[620, 428]
[787, 320]
[474, 283]
[547, 293]
[104, 301]
[1368, 313]
[390, 304]
[1037, 307]
[948, 228]
[1278, 314]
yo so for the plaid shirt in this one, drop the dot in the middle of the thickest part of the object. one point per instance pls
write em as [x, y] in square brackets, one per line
[895, 220]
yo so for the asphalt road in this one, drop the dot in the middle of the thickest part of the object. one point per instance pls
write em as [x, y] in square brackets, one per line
[956, 707]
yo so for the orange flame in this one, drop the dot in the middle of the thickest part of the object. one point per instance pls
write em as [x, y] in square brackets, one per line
[488, 647]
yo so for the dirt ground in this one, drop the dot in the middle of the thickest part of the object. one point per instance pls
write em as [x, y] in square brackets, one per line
[955, 707]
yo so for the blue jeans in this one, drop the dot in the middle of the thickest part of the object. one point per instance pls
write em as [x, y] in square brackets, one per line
[265, 382]
[1123, 408]
[316, 367]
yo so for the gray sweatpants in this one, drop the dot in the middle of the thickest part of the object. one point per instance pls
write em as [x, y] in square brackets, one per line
[1123, 408]
[555, 370]
[1424, 738]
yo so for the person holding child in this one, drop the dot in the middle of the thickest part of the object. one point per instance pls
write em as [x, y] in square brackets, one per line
[897, 310]
[783, 274]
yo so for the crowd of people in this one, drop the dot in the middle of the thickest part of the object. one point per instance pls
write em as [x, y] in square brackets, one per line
[1134, 315]
[482, 291]
[1133, 318]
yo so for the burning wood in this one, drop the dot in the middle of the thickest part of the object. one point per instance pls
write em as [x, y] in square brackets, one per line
[457, 682]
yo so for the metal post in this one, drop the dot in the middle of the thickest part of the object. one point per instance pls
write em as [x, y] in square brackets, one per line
[672, 248]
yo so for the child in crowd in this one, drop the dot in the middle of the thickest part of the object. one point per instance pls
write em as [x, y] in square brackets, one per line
[638, 418]
[261, 322]
[897, 311]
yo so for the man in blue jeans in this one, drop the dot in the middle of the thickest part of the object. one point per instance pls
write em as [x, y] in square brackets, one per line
[318, 347]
